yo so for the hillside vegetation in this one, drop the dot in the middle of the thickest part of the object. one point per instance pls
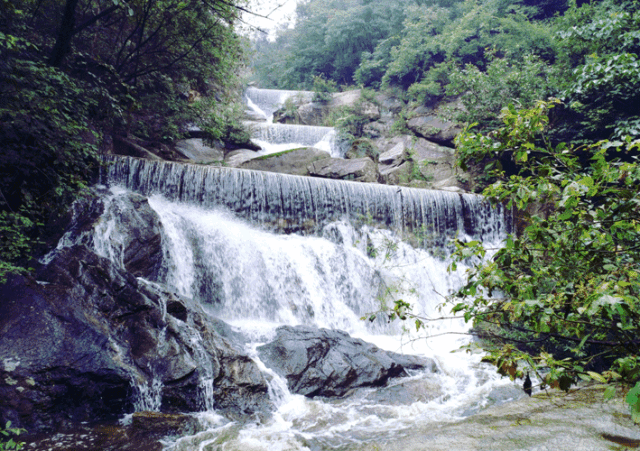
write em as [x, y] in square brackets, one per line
[81, 76]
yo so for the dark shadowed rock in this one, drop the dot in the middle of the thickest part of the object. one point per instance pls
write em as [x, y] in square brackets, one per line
[88, 339]
[137, 230]
[321, 362]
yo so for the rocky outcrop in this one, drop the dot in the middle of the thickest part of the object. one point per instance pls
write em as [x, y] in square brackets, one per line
[407, 160]
[137, 231]
[195, 150]
[434, 128]
[296, 161]
[90, 342]
[359, 169]
[437, 124]
[321, 362]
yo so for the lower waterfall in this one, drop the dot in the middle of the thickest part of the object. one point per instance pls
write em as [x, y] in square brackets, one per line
[228, 242]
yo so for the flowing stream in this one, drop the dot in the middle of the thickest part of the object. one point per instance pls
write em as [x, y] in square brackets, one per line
[260, 250]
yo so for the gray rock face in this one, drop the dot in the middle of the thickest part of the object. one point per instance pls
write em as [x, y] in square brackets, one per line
[321, 362]
[405, 156]
[311, 114]
[236, 158]
[294, 162]
[195, 150]
[434, 128]
[81, 343]
[358, 169]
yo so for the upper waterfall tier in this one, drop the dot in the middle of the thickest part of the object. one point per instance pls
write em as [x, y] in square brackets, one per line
[305, 204]
[323, 138]
[269, 100]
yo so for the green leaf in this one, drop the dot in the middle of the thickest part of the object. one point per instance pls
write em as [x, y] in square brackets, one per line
[610, 392]
[597, 377]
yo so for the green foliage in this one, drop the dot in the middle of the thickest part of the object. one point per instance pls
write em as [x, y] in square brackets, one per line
[48, 155]
[598, 72]
[75, 73]
[460, 35]
[484, 93]
[221, 121]
[571, 274]
[323, 89]
[11, 444]
[329, 39]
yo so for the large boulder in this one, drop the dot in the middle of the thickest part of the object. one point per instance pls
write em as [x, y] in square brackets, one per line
[89, 342]
[407, 160]
[295, 161]
[434, 128]
[322, 362]
[357, 169]
[238, 157]
[194, 149]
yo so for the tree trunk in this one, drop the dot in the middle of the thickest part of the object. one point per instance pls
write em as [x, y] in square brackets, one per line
[65, 33]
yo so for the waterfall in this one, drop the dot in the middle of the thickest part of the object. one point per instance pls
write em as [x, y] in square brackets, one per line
[276, 137]
[279, 137]
[269, 100]
[261, 250]
[304, 204]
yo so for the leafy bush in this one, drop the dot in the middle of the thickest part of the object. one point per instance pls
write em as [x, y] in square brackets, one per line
[484, 93]
[571, 274]
[49, 150]
[598, 72]
[11, 444]
[323, 89]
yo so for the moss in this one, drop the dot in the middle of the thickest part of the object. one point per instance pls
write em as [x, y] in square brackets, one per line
[277, 154]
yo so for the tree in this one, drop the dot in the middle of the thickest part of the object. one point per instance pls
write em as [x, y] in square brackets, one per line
[74, 74]
[563, 296]
[598, 70]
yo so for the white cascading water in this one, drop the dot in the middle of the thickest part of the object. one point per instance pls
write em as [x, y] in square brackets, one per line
[227, 243]
[268, 101]
[278, 137]
[273, 138]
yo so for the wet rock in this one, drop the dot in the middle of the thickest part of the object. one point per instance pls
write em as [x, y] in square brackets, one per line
[195, 150]
[579, 420]
[84, 342]
[236, 158]
[143, 431]
[294, 161]
[321, 362]
[402, 392]
[359, 169]
[136, 233]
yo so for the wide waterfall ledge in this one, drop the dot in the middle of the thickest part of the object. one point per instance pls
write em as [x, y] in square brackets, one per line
[289, 203]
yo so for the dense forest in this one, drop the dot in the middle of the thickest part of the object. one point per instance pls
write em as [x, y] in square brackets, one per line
[81, 76]
[551, 96]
